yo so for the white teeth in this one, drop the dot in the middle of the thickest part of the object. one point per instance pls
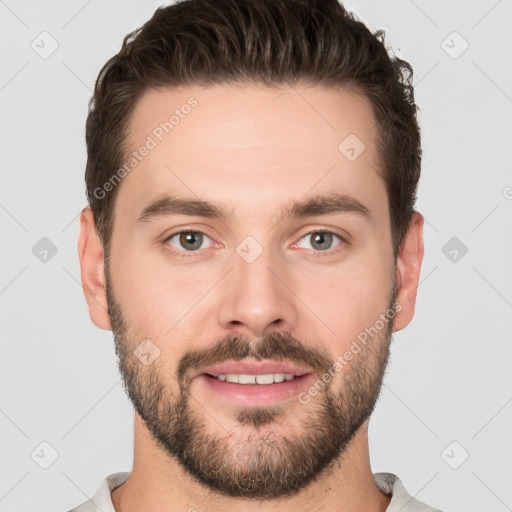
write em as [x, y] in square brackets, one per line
[246, 379]
[268, 378]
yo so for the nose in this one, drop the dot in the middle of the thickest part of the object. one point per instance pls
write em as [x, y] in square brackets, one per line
[256, 298]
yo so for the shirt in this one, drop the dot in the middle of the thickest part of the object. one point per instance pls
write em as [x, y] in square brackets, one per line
[388, 483]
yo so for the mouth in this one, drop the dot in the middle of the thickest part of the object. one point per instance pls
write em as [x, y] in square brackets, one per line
[255, 382]
[263, 379]
[247, 370]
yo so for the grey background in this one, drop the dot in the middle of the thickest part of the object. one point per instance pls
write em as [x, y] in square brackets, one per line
[449, 375]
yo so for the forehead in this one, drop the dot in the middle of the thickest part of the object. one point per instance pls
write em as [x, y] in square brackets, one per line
[230, 143]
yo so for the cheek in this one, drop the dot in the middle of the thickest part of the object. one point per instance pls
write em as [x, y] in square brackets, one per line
[156, 299]
[353, 300]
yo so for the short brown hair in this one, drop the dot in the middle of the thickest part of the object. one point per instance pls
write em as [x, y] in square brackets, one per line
[270, 42]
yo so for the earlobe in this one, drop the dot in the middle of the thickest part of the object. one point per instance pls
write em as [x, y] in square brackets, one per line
[92, 270]
[408, 269]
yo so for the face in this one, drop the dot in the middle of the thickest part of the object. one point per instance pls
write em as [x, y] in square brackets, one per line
[251, 286]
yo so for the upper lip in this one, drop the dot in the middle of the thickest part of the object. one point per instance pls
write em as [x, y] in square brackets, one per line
[255, 368]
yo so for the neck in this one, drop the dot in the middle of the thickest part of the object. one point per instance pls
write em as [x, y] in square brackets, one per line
[158, 483]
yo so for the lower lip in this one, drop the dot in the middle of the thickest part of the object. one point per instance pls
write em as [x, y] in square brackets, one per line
[258, 394]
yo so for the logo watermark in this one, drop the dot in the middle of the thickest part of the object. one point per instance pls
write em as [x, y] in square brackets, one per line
[152, 141]
[355, 347]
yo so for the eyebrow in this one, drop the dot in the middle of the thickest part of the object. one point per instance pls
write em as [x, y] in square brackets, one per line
[325, 204]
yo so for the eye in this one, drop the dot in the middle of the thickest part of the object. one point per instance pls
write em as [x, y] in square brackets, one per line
[189, 240]
[322, 240]
[192, 240]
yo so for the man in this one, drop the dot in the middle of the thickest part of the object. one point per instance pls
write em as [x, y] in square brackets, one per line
[252, 243]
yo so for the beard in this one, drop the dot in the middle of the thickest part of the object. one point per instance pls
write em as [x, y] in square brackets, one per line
[260, 464]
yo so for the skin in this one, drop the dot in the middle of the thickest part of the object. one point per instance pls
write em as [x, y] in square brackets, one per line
[253, 149]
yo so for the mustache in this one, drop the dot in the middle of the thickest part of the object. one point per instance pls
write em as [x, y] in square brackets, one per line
[275, 346]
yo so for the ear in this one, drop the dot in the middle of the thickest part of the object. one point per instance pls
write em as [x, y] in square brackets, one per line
[408, 268]
[92, 270]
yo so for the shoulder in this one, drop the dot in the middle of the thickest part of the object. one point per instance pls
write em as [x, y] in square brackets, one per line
[401, 500]
[101, 499]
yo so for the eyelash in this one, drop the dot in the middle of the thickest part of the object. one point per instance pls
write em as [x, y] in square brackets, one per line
[317, 253]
